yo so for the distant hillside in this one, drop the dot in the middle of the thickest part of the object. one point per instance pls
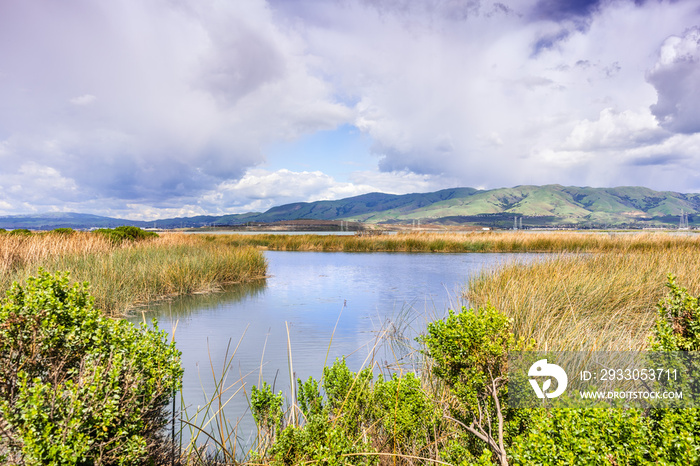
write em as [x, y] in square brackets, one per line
[51, 220]
[554, 205]
[550, 205]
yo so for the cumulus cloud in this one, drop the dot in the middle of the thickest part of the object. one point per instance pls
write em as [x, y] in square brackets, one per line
[189, 92]
[167, 106]
[480, 98]
[676, 77]
[615, 130]
[260, 189]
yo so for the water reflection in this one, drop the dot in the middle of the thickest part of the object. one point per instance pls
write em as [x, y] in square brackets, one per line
[183, 307]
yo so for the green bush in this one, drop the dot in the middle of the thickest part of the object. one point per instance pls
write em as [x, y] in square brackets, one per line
[406, 420]
[319, 442]
[583, 437]
[677, 327]
[469, 352]
[612, 436]
[77, 387]
[266, 407]
[63, 231]
[359, 421]
[125, 233]
[20, 232]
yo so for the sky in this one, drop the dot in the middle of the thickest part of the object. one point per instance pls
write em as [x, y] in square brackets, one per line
[148, 109]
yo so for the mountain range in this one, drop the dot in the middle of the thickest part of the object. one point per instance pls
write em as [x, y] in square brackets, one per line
[541, 206]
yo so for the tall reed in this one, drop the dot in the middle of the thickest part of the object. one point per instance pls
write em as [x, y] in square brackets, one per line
[590, 301]
[469, 242]
[128, 274]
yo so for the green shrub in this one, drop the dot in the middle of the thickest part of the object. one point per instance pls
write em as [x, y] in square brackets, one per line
[584, 437]
[309, 398]
[677, 327]
[125, 233]
[76, 387]
[612, 436]
[469, 351]
[406, 420]
[359, 421]
[20, 232]
[349, 396]
[266, 407]
[63, 231]
[319, 442]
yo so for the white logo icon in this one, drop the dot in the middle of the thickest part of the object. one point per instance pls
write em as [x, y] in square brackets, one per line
[542, 369]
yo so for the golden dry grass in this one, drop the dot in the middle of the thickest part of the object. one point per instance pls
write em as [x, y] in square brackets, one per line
[17, 252]
[131, 273]
[557, 241]
[588, 301]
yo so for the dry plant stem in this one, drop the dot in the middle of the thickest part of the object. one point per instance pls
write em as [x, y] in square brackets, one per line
[223, 442]
[291, 378]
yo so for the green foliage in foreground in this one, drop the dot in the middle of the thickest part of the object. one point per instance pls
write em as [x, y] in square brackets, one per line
[360, 419]
[678, 325]
[76, 387]
[610, 437]
[125, 233]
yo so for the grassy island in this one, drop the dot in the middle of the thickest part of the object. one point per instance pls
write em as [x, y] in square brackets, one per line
[125, 270]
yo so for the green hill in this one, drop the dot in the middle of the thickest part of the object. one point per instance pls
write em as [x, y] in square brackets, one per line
[553, 205]
[550, 205]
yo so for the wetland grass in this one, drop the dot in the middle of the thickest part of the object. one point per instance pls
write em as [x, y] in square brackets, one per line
[131, 273]
[553, 241]
[588, 301]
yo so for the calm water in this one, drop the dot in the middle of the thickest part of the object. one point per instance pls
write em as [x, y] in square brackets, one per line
[311, 294]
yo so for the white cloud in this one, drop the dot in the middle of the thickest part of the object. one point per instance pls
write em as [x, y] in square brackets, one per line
[166, 106]
[676, 77]
[85, 99]
[189, 92]
[488, 84]
[615, 130]
[260, 189]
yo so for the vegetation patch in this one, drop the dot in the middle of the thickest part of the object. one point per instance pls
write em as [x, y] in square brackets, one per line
[77, 387]
[135, 268]
[587, 302]
[469, 242]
